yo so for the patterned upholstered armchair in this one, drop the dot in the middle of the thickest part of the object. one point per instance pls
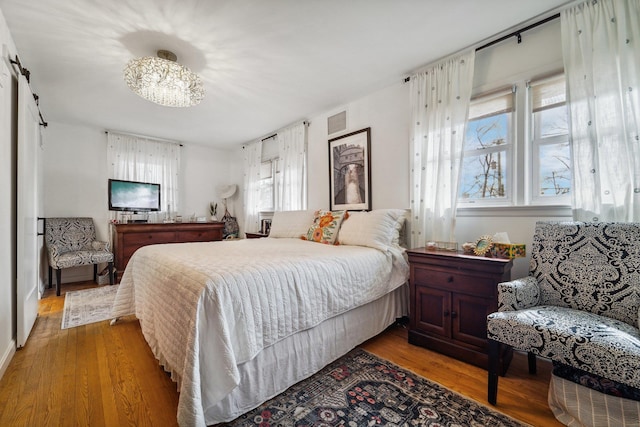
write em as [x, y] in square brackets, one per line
[579, 305]
[71, 242]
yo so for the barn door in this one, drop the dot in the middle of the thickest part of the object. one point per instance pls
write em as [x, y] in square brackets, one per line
[27, 247]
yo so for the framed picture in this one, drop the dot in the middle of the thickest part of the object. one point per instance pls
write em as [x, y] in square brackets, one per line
[265, 226]
[350, 171]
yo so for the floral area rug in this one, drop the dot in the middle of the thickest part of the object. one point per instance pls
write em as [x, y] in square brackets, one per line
[88, 306]
[362, 390]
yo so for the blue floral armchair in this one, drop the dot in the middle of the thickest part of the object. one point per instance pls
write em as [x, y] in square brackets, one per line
[580, 304]
[72, 242]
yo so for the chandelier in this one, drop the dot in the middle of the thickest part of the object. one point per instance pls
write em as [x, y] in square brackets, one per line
[163, 81]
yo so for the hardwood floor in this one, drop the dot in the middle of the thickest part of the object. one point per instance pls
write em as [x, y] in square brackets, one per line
[97, 375]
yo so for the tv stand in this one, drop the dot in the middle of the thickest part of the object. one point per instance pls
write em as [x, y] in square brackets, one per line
[127, 238]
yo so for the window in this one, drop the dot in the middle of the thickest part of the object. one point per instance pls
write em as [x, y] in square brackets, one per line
[269, 181]
[488, 150]
[550, 141]
[269, 174]
[516, 157]
[138, 158]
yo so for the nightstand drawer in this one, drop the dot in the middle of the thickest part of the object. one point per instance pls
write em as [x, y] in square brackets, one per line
[454, 281]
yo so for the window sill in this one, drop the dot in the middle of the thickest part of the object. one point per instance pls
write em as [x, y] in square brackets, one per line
[515, 211]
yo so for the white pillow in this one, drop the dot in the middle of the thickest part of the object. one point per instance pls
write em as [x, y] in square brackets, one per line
[377, 229]
[291, 224]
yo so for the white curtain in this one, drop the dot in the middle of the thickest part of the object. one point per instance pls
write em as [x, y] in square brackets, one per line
[252, 161]
[143, 159]
[601, 50]
[440, 101]
[292, 188]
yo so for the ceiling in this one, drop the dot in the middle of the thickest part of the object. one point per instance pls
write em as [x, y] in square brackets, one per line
[264, 64]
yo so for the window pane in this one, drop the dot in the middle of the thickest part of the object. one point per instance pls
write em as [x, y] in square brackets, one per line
[487, 132]
[484, 176]
[266, 194]
[555, 169]
[552, 122]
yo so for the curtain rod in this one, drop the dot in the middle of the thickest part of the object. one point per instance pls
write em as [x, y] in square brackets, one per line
[304, 122]
[517, 33]
[27, 75]
[144, 136]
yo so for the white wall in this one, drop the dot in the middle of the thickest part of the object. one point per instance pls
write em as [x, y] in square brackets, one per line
[204, 168]
[387, 113]
[76, 174]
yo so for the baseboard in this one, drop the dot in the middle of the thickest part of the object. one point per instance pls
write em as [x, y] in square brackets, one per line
[7, 356]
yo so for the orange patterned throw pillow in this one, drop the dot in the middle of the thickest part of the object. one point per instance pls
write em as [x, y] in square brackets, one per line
[325, 227]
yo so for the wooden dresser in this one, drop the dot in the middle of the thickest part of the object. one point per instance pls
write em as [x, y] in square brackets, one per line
[129, 237]
[451, 296]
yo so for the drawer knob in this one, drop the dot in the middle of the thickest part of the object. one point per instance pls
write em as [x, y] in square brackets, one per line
[450, 279]
[446, 313]
[454, 314]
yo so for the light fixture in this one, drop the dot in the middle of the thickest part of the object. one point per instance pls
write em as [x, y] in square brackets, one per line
[163, 81]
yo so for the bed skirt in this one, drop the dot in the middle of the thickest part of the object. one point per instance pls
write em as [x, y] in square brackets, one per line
[576, 405]
[299, 356]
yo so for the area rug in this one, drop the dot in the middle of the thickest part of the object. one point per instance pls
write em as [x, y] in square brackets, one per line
[88, 306]
[361, 389]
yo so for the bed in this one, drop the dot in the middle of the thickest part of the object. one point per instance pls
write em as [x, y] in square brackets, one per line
[237, 322]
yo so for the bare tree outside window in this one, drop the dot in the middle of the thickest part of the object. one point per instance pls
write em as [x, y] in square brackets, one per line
[484, 168]
[513, 157]
[554, 155]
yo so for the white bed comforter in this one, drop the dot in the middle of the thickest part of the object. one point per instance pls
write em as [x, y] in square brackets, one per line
[205, 308]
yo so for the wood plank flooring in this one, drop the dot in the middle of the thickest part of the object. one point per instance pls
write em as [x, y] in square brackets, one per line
[96, 375]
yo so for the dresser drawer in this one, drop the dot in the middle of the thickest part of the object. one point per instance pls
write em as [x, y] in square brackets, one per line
[198, 236]
[142, 239]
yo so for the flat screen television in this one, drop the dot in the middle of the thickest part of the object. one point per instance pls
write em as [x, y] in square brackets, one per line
[133, 196]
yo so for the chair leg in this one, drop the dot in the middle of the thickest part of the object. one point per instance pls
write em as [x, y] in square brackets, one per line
[110, 273]
[50, 277]
[58, 281]
[494, 364]
[532, 362]
[95, 272]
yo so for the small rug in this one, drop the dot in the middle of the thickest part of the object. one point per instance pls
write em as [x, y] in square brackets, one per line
[88, 306]
[360, 389]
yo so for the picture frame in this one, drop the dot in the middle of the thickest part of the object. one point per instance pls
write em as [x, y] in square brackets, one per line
[265, 226]
[483, 245]
[350, 171]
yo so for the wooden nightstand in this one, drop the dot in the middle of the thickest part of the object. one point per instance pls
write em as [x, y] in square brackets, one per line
[451, 296]
[255, 235]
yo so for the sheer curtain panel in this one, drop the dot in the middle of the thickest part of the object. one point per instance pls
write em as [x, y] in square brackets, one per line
[292, 145]
[440, 101]
[601, 50]
[136, 158]
[252, 162]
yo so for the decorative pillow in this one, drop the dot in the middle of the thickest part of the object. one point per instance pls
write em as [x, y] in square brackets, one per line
[325, 226]
[377, 229]
[291, 224]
